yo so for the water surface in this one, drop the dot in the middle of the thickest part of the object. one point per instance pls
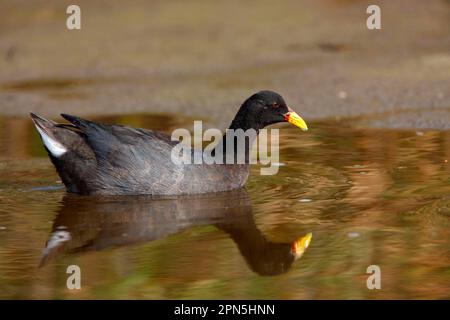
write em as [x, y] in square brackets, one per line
[368, 196]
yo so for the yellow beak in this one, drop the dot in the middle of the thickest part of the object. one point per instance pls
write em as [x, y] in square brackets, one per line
[293, 118]
[299, 246]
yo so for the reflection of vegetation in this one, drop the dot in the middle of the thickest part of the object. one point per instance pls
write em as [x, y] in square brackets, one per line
[374, 197]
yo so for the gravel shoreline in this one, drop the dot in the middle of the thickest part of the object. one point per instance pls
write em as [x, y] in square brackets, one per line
[203, 59]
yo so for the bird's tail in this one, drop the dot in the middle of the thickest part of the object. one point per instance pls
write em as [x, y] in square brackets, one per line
[68, 151]
[47, 131]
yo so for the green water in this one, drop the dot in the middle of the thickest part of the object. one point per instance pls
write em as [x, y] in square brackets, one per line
[368, 196]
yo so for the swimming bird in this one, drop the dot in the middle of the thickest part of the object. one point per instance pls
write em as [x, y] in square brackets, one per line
[100, 159]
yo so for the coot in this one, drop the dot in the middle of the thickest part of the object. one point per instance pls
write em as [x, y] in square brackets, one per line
[99, 159]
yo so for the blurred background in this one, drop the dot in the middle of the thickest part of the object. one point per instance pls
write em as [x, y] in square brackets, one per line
[369, 180]
[204, 58]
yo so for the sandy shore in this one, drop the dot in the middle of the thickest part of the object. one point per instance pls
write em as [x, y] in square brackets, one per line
[203, 59]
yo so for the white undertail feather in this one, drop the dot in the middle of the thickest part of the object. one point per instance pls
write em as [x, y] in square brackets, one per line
[55, 148]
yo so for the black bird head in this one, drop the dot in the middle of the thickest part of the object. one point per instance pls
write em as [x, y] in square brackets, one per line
[265, 108]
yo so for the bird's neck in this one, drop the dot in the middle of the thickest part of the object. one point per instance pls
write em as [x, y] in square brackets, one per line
[245, 120]
[236, 144]
[238, 139]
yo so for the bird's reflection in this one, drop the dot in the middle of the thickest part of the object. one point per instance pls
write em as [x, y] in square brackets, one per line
[86, 223]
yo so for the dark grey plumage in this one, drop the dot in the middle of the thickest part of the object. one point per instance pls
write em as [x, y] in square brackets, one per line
[100, 159]
[117, 160]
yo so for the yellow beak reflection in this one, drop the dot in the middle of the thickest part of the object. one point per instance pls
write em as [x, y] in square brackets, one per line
[299, 246]
[293, 118]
